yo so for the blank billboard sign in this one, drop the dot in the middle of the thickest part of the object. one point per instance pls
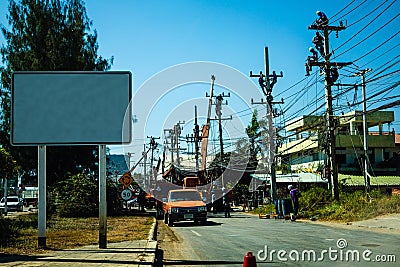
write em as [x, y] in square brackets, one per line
[56, 108]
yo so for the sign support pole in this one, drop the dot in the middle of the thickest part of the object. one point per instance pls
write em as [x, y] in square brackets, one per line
[102, 198]
[42, 196]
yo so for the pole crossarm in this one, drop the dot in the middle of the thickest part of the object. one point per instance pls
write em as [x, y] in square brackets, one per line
[326, 27]
[263, 102]
[222, 119]
[263, 75]
[332, 64]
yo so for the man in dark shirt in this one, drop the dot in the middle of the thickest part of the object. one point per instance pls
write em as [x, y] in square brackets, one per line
[295, 194]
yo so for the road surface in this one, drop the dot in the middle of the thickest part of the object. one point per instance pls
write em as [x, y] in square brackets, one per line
[225, 241]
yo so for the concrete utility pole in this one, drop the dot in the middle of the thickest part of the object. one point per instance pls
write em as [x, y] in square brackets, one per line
[270, 115]
[153, 146]
[177, 132]
[218, 111]
[330, 121]
[365, 131]
[171, 143]
[195, 138]
[206, 129]
[144, 154]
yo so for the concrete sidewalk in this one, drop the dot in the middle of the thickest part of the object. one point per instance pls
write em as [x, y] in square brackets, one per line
[389, 222]
[132, 253]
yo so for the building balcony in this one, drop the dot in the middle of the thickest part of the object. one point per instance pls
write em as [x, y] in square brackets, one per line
[346, 141]
[357, 141]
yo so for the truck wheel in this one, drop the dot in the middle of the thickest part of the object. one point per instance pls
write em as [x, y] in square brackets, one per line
[203, 221]
[170, 221]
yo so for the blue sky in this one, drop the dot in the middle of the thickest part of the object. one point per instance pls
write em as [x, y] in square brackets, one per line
[147, 37]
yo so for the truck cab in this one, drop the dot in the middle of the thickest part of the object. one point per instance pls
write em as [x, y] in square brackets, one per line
[184, 205]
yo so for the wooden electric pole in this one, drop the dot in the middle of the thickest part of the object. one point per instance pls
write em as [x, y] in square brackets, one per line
[218, 111]
[331, 170]
[195, 138]
[365, 131]
[270, 115]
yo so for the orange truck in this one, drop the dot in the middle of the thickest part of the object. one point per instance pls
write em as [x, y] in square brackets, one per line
[184, 205]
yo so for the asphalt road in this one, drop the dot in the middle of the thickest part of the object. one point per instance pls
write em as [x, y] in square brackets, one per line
[225, 241]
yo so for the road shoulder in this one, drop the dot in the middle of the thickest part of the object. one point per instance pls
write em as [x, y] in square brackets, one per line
[388, 224]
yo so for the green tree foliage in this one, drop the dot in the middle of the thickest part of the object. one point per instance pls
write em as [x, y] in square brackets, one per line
[8, 166]
[77, 196]
[47, 35]
[253, 132]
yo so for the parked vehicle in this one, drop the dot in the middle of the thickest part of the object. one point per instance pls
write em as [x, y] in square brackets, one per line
[14, 203]
[30, 196]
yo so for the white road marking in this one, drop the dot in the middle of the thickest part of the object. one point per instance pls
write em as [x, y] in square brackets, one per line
[196, 233]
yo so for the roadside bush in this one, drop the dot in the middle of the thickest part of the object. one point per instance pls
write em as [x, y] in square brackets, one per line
[76, 196]
[270, 208]
[313, 200]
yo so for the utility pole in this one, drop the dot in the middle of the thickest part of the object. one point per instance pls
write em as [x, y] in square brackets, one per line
[195, 138]
[177, 132]
[330, 121]
[205, 131]
[144, 154]
[218, 111]
[171, 143]
[270, 114]
[365, 131]
[153, 146]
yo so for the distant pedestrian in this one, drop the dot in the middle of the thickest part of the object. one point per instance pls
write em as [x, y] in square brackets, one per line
[227, 206]
[213, 204]
[295, 194]
[142, 200]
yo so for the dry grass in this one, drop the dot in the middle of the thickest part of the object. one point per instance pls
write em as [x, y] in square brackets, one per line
[67, 233]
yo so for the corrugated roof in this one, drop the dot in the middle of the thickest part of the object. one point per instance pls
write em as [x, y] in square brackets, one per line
[353, 180]
[293, 178]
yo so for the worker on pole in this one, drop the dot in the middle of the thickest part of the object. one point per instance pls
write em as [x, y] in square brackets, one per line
[318, 43]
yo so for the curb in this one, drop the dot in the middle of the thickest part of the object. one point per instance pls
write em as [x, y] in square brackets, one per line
[153, 232]
[152, 240]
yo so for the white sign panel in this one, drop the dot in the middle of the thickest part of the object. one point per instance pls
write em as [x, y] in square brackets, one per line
[52, 108]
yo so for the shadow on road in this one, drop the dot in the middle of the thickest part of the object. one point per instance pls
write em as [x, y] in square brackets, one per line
[192, 224]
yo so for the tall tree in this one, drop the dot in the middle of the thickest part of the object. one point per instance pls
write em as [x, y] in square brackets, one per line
[251, 145]
[8, 166]
[48, 35]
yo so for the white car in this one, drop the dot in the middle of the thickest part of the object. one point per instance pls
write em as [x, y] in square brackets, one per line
[14, 203]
